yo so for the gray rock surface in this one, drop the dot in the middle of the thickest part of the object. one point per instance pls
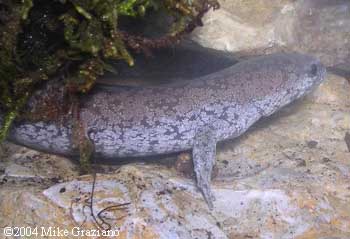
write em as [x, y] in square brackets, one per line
[250, 27]
[287, 177]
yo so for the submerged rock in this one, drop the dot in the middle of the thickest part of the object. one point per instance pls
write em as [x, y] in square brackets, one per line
[287, 177]
[251, 27]
[269, 184]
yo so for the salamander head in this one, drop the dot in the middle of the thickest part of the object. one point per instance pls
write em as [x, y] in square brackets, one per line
[309, 74]
[291, 77]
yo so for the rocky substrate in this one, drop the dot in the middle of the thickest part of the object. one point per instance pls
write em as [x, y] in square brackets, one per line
[287, 177]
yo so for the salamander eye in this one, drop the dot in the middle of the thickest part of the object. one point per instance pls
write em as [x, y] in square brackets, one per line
[313, 70]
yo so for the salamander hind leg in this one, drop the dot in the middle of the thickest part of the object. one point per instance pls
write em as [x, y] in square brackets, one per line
[204, 154]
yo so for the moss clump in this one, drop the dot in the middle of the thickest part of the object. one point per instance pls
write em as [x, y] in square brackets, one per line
[73, 40]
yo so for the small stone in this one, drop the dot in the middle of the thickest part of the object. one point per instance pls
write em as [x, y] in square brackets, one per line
[19, 172]
[225, 162]
[347, 140]
[312, 144]
[184, 165]
[301, 163]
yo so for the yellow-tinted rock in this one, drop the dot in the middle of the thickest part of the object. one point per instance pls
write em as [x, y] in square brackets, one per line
[288, 177]
[248, 27]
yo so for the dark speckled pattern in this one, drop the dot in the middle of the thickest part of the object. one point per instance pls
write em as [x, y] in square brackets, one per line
[139, 121]
[156, 120]
[192, 114]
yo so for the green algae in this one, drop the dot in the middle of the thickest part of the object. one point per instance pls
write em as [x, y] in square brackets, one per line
[73, 40]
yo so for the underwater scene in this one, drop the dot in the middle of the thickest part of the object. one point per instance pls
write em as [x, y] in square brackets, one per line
[175, 119]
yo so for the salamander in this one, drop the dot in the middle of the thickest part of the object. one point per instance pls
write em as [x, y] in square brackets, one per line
[215, 99]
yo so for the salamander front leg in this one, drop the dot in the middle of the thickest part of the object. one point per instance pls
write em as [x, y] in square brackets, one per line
[204, 154]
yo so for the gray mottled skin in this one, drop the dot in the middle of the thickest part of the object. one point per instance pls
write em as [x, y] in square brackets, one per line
[140, 121]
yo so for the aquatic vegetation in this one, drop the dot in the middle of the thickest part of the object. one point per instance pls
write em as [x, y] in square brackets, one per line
[73, 41]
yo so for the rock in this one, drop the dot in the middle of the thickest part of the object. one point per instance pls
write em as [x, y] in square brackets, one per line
[254, 27]
[184, 165]
[287, 177]
[23, 164]
[270, 184]
[347, 140]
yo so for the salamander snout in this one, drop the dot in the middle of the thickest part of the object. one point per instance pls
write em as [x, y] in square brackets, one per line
[301, 74]
[308, 74]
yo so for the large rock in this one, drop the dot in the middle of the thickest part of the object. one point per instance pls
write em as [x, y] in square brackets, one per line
[288, 177]
[250, 27]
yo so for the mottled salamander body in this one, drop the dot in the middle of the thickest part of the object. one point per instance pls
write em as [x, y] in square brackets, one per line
[195, 114]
